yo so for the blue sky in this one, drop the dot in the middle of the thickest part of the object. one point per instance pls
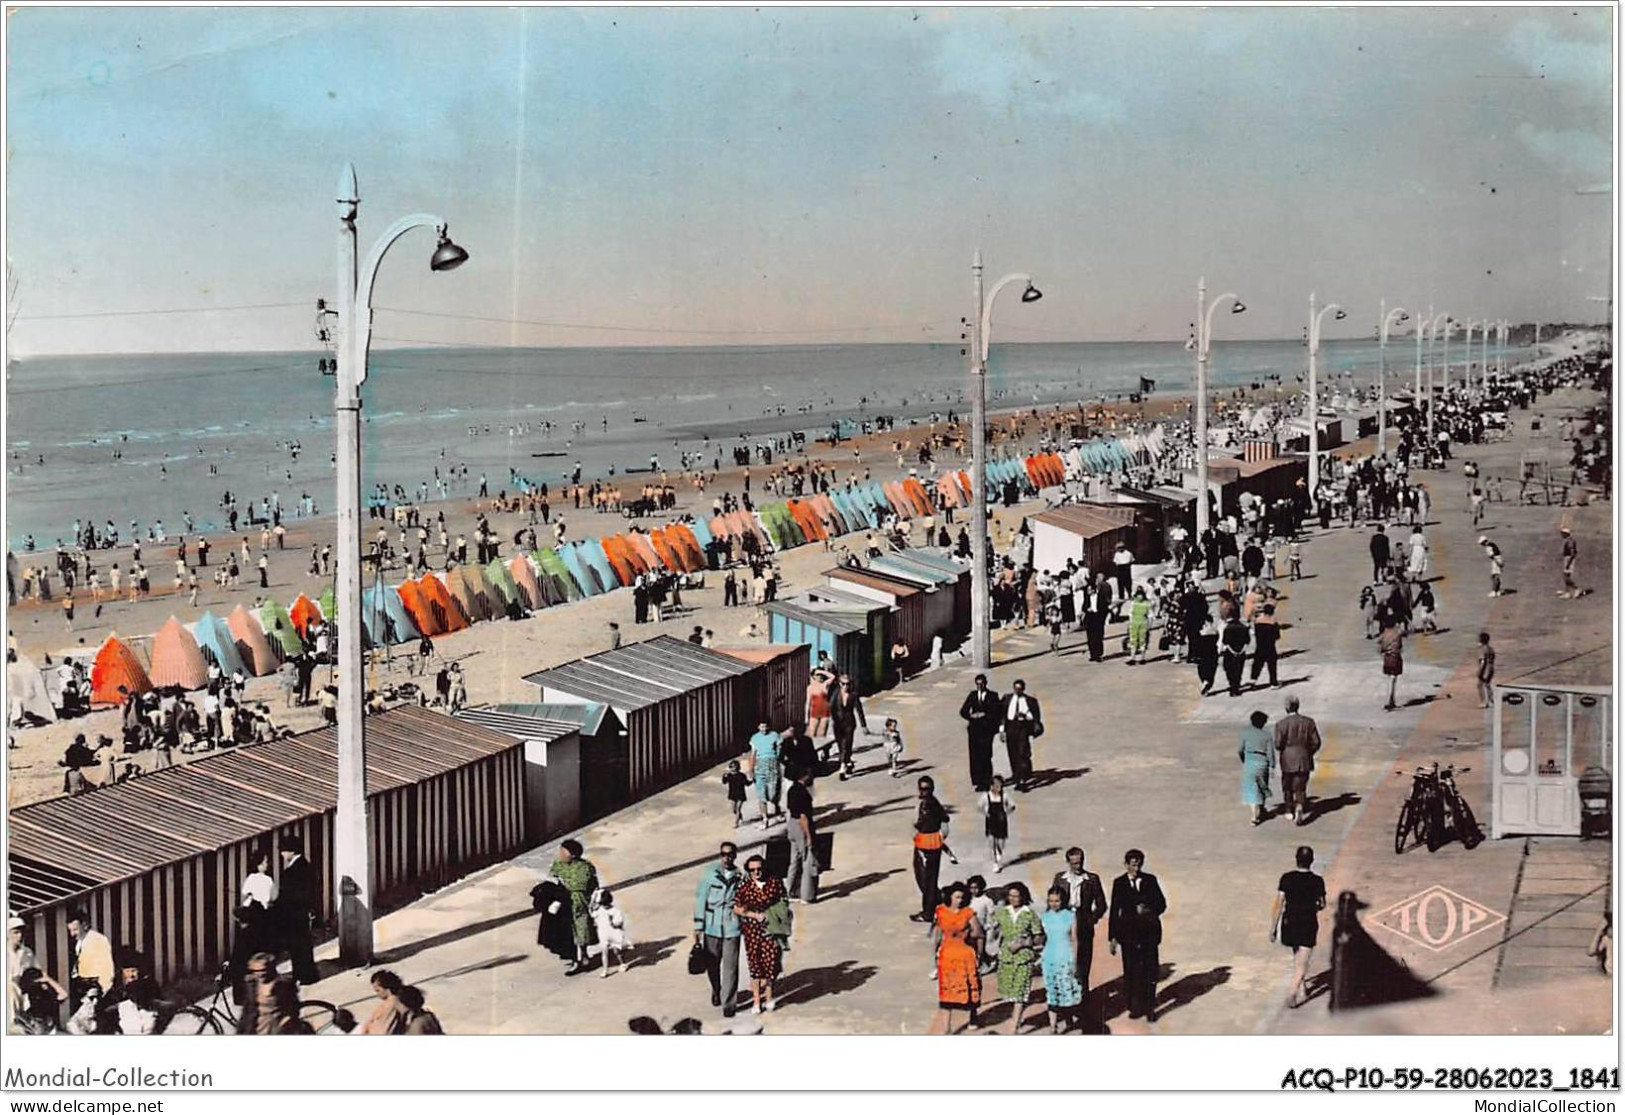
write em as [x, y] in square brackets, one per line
[775, 175]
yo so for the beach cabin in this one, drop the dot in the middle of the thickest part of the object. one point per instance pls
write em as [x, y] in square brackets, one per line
[683, 707]
[784, 671]
[941, 603]
[1087, 533]
[1271, 479]
[158, 861]
[552, 751]
[852, 631]
[1160, 509]
[919, 612]
[945, 571]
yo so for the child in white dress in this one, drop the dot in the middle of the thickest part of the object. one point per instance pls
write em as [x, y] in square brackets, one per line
[611, 926]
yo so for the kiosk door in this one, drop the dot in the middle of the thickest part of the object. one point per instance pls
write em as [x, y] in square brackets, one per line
[1544, 738]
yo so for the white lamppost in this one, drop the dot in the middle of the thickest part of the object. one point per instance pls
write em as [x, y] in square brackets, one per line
[1421, 329]
[1467, 365]
[1389, 317]
[1440, 321]
[352, 869]
[981, 630]
[1204, 341]
[1501, 328]
[1315, 319]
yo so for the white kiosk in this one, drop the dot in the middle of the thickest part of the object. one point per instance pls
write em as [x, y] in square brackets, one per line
[1544, 738]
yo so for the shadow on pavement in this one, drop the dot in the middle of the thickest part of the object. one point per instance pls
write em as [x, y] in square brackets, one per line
[1321, 806]
[396, 955]
[1043, 778]
[850, 886]
[809, 984]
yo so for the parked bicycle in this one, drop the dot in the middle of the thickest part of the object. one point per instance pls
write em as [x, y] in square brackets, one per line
[1435, 812]
[220, 1015]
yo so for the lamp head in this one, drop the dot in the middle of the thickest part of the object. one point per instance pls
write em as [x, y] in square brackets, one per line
[1238, 307]
[1032, 293]
[447, 255]
[1339, 315]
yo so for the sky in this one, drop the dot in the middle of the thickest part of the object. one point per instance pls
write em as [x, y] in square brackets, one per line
[792, 175]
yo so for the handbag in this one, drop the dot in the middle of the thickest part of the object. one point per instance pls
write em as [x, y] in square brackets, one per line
[1038, 728]
[696, 960]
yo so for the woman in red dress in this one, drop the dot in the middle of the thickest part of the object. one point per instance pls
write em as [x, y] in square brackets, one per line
[818, 703]
[756, 895]
[958, 937]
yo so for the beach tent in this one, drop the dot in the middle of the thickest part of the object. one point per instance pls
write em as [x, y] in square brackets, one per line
[25, 689]
[948, 489]
[812, 525]
[381, 602]
[474, 577]
[328, 602]
[917, 495]
[500, 580]
[856, 517]
[614, 565]
[116, 665]
[216, 641]
[176, 659]
[472, 601]
[701, 530]
[670, 556]
[586, 580]
[526, 584]
[304, 612]
[279, 629]
[448, 613]
[899, 502]
[643, 547]
[553, 572]
[421, 608]
[253, 648]
[684, 546]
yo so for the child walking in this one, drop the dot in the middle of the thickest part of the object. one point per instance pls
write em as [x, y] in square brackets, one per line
[997, 806]
[736, 781]
[613, 938]
[894, 746]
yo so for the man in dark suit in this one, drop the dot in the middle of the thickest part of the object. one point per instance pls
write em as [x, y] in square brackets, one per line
[1086, 896]
[1135, 926]
[1379, 555]
[1097, 609]
[983, 712]
[297, 901]
[1023, 722]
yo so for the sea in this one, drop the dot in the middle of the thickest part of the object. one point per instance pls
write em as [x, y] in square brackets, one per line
[152, 438]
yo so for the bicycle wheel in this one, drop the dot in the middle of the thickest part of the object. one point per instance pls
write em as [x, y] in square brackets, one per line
[191, 1022]
[1402, 830]
[317, 1014]
[1434, 831]
[1466, 824]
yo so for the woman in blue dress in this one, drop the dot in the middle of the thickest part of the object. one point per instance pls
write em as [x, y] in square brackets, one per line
[764, 746]
[1257, 754]
[1062, 991]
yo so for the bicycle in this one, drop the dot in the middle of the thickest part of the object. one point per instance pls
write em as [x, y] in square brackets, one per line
[1434, 811]
[220, 1015]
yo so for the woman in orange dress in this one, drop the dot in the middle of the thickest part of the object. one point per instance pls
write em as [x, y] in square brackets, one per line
[958, 938]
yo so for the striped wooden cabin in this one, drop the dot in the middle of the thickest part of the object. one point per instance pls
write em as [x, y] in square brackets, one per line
[684, 707]
[157, 862]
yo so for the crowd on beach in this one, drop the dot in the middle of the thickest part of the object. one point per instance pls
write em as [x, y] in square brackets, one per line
[747, 912]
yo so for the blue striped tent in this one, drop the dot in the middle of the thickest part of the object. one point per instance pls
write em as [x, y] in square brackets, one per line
[215, 639]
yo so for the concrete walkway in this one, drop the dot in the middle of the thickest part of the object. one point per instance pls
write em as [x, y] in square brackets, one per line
[1133, 757]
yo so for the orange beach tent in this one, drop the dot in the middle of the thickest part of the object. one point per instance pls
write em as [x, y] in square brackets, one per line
[116, 665]
[304, 612]
[447, 611]
[420, 608]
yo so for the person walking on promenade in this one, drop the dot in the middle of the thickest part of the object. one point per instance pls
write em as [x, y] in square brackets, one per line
[765, 747]
[1486, 670]
[1023, 723]
[1297, 739]
[763, 911]
[930, 840]
[1295, 918]
[801, 877]
[846, 714]
[957, 937]
[1257, 754]
[1063, 994]
[1135, 926]
[1380, 554]
[1571, 554]
[1087, 898]
[1391, 644]
[997, 807]
[578, 876]
[1021, 936]
[983, 712]
[1266, 645]
[1234, 640]
[1498, 564]
[735, 781]
[1205, 654]
[716, 926]
[819, 688]
[297, 901]
[1416, 555]
[1139, 627]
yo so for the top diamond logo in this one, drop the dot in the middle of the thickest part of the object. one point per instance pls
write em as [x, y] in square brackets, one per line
[1438, 918]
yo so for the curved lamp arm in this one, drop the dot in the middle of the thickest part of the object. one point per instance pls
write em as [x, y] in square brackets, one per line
[369, 273]
[1207, 319]
[1393, 317]
[1314, 340]
[987, 306]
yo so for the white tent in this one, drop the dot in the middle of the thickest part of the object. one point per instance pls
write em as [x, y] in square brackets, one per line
[27, 691]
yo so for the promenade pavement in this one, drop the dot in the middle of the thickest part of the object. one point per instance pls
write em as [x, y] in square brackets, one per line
[1133, 757]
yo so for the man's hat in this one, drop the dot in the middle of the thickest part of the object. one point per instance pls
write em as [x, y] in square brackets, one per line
[1565, 530]
[1482, 541]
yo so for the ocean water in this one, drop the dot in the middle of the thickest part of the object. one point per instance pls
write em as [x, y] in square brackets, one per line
[170, 417]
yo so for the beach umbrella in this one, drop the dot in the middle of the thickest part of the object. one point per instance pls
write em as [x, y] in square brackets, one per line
[116, 665]
[176, 659]
[216, 641]
[252, 646]
[25, 689]
[279, 629]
